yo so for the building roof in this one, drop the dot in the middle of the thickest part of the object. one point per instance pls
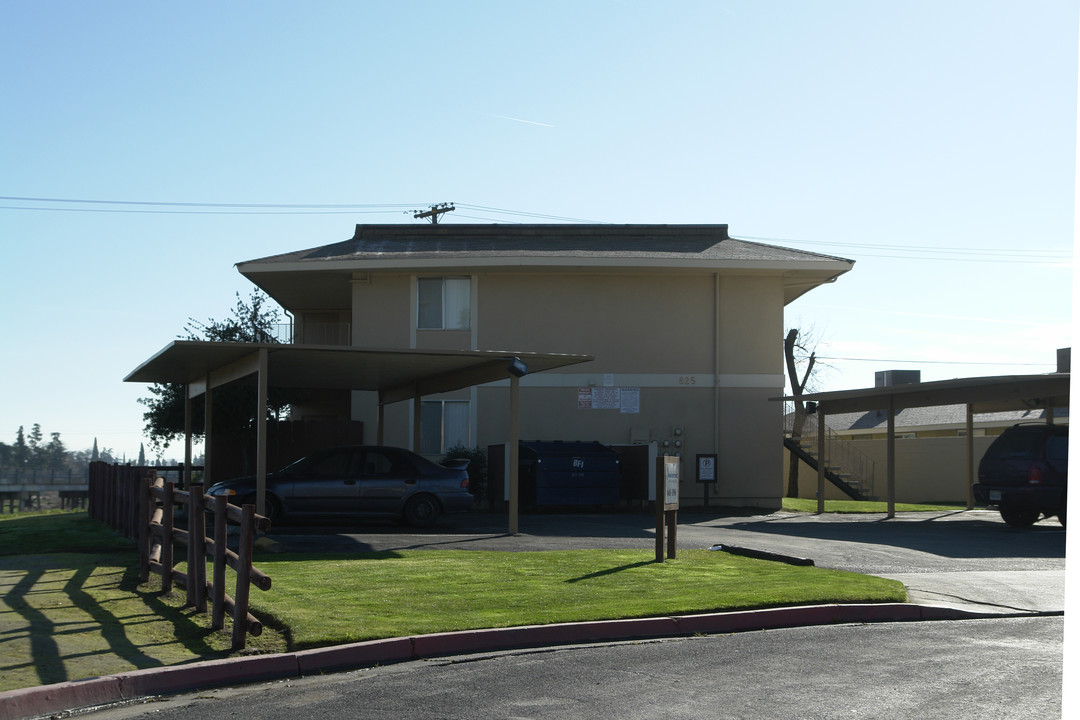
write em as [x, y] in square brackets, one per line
[593, 248]
[941, 416]
[703, 242]
[396, 374]
[985, 395]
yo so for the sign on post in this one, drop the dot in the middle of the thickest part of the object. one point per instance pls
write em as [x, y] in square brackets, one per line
[671, 483]
[706, 472]
[667, 504]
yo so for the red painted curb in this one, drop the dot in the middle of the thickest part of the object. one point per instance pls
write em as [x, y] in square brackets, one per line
[456, 643]
[43, 699]
[206, 674]
[741, 621]
[354, 655]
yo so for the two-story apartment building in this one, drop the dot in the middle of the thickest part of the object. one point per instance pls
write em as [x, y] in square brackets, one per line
[685, 323]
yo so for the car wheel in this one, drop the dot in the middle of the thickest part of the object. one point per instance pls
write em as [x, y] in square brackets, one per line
[421, 511]
[1019, 517]
[272, 511]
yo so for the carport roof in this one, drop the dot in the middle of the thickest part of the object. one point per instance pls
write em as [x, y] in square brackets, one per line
[397, 374]
[984, 394]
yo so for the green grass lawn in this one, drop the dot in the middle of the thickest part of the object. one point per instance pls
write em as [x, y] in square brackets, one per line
[71, 605]
[863, 506]
[326, 599]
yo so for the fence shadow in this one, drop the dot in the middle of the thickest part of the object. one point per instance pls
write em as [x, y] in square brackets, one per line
[60, 608]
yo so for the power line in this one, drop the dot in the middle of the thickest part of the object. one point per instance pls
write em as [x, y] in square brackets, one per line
[934, 362]
[1047, 255]
[205, 212]
[208, 204]
[909, 252]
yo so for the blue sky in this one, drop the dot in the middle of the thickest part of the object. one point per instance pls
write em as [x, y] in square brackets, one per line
[932, 142]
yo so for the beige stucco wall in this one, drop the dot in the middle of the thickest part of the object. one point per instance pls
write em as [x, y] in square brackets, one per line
[706, 371]
[928, 470]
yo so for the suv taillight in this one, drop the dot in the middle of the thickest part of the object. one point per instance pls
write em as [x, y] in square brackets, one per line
[465, 484]
[1035, 475]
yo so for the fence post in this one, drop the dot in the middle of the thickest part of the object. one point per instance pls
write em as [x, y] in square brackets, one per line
[221, 542]
[145, 533]
[243, 578]
[167, 538]
[197, 548]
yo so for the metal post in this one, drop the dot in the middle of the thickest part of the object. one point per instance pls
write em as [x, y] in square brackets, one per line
[820, 458]
[891, 457]
[185, 481]
[513, 452]
[208, 422]
[416, 424]
[970, 455]
[260, 424]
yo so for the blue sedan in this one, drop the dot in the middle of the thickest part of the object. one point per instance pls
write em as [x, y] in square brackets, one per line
[359, 481]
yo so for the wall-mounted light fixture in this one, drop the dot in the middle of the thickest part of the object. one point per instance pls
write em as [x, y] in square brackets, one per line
[517, 368]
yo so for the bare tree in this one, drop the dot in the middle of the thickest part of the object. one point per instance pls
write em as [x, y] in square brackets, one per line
[798, 353]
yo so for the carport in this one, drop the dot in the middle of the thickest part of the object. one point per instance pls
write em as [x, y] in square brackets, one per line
[979, 395]
[395, 374]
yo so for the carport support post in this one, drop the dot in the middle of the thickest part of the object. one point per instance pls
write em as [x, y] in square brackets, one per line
[821, 458]
[260, 424]
[186, 480]
[208, 422]
[970, 454]
[513, 453]
[416, 423]
[890, 457]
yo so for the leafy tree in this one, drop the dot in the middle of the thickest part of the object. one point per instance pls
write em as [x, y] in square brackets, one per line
[252, 320]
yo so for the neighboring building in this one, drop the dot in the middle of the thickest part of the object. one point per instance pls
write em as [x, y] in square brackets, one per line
[926, 422]
[685, 323]
[930, 448]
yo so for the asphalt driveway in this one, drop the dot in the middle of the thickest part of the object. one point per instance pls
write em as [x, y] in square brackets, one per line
[969, 559]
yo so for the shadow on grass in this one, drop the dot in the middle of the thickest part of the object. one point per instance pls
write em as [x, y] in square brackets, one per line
[313, 557]
[68, 620]
[611, 571]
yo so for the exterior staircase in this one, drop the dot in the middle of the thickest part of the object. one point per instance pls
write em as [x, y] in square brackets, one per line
[847, 467]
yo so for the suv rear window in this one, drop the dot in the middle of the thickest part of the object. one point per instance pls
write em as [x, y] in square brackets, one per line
[1014, 442]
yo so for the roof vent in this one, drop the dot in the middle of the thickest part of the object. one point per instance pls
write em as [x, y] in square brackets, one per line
[888, 378]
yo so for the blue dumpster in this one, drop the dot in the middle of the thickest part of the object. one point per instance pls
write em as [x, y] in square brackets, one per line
[568, 473]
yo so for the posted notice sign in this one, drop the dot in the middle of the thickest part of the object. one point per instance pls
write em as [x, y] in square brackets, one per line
[706, 468]
[671, 483]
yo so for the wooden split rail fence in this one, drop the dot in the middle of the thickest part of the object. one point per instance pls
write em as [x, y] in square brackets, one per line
[143, 507]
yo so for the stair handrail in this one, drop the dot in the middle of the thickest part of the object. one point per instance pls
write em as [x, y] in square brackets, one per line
[840, 453]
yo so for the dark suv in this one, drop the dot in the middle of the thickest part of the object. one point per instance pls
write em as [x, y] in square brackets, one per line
[1025, 473]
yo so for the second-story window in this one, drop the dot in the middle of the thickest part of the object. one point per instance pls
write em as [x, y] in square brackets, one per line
[443, 303]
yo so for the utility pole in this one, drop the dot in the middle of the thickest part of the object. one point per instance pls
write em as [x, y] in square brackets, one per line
[434, 212]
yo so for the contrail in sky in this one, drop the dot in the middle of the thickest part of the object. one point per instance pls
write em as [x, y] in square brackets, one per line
[527, 122]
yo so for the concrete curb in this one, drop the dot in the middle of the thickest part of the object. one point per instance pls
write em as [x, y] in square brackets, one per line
[44, 700]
